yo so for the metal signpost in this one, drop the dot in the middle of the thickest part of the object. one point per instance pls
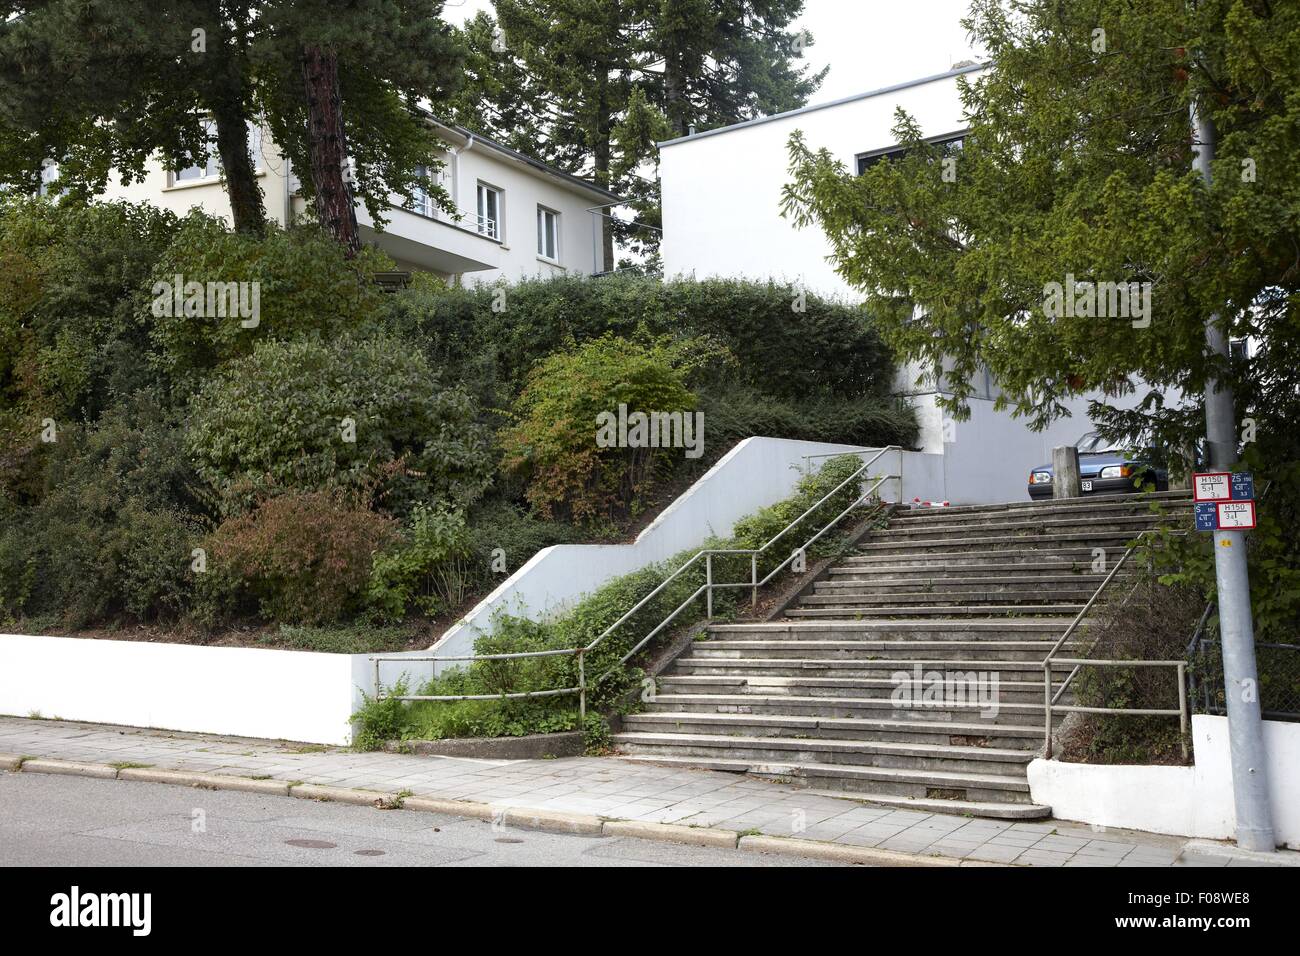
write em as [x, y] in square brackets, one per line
[1225, 506]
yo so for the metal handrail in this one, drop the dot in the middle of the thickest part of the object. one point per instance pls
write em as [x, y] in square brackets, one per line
[1050, 700]
[706, 588]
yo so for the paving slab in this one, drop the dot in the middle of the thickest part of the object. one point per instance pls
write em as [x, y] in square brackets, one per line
[583, 794]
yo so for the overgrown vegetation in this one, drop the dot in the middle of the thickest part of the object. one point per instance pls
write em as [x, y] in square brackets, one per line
[349, 460]
[1153, 622]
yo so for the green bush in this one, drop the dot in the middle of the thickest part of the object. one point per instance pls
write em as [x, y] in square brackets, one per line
[307, 289]
[112, 526]
[553, 442]
[278, 420]
[735, 413]
[306, 556]
[427, 568]
[72, 283]
[828, 348]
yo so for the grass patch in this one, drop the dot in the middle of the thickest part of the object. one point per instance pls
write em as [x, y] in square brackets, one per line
[358, 638]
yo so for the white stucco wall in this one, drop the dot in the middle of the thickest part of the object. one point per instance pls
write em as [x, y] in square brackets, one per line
[722, 190]
[248, 692]
[1191, 801]
[523, 187]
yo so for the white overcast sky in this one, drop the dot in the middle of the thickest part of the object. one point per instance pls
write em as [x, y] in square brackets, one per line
[867, 43]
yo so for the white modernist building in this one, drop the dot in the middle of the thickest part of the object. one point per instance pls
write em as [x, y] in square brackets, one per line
[722, 217]
[518, 217]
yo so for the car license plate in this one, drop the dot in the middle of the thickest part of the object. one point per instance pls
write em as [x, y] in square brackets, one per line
[1087, 486]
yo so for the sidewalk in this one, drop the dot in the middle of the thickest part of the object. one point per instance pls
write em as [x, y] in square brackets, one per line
[721, 807]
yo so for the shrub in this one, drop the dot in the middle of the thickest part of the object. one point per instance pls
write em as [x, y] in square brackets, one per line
[427, 569]
[1154, 623]
[111, 526]
[307, 288]
[72, 281]
[735, 413]
[553, 442]
[305, 556]
[278, 420]
[828, 348]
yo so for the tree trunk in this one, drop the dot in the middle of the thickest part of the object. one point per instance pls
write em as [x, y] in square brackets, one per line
[246, 207]
[674, 95]
[602, 149]
[328, 147]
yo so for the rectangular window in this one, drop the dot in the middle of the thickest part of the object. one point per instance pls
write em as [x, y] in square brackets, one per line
[489, 211]
[948, 143]
[548, 233]
[423, 203]
[212, 168]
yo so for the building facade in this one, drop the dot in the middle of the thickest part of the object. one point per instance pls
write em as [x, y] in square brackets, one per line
[722, 217]
[516, 217]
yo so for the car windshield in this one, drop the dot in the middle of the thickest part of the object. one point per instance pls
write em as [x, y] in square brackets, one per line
[1092, 443]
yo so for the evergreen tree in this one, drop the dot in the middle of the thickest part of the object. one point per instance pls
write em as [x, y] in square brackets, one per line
[584, 83]
[99, 86]
[1078, 163]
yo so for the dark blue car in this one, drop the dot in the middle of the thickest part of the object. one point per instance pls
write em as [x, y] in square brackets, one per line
[1104, 469]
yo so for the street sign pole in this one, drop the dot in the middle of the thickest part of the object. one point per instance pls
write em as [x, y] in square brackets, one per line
[1240, 676]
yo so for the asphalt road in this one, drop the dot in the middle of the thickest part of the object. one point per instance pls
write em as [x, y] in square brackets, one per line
[77, 821]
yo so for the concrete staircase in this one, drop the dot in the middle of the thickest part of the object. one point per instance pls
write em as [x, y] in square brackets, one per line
[965, 602]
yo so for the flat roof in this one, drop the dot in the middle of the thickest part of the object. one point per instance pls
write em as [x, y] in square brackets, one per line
[825, 106]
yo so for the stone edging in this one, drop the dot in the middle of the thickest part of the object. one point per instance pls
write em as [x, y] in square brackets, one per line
[556, 821]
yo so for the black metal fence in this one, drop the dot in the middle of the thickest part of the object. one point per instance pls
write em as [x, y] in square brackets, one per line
[1278, 666]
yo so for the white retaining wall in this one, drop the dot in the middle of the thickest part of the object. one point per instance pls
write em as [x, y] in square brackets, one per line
[1191, 801]
[242, 691]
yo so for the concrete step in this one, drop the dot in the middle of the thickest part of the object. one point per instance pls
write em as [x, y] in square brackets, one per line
[1020, 527]
[1092, 502]
[855, 598]
[1090, 507]
[808, 686]
[965, 808]
[843, 612]
[912, 629]
[973, 558]
[950, 543]
[956, 733]
[852, 753]
[921, 580]
[882, 707]
[988, 788]
[843, 573]
[863, 651]
[1028, 671]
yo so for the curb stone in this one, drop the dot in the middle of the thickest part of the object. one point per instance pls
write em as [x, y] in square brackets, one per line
[551, 820]
[454, 808]
[672, 833]
[101, 771]
[360, 798]
[838, 853]
[558, 821]
[208, 781]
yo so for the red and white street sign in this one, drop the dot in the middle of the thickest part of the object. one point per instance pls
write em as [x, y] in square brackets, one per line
[1212, 486]
[1236, 515]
